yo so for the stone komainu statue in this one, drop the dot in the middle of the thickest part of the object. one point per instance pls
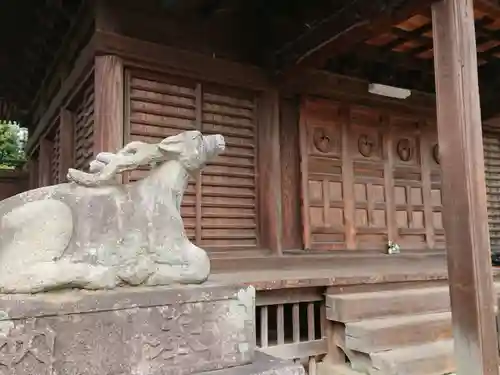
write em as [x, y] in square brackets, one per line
[95, 233]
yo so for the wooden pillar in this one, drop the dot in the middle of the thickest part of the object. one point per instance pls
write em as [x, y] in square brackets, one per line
[66, 143]
[270, 172]
[108, 103]
[44, 165]
[33, 172]
[464, 189]
[290, 174]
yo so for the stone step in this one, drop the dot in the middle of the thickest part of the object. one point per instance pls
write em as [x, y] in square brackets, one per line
[373, 335]
[357, 306]
[428, 359]
[325, 368]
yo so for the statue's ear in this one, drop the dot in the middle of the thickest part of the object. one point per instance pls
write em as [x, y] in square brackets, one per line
[173, 145]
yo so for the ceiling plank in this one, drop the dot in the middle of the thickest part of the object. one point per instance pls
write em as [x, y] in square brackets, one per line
[492, 8]
[339, 32]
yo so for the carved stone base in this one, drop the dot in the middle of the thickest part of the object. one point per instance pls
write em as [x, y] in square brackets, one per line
[263, 364]
[175, 330]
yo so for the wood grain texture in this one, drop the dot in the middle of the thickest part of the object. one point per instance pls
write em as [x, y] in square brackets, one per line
[44, 160]
[142, 54]
[270, 186]
[66, 142]
[464, 188]
[426, 159]
[290, 173]
[108, 103]
[363, 177]
[33, 172]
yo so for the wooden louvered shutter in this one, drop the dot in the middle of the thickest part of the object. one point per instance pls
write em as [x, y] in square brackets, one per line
[84, 126]
[55, 156]
[491, 143]
[229, 217]
[161, 106]
[219, 208]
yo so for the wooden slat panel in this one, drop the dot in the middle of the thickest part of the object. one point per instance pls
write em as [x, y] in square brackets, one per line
[491, 144]
[161, 106]
[229, 196]
[219, 210]
[289, 326]
[56, 154]
[84, 126]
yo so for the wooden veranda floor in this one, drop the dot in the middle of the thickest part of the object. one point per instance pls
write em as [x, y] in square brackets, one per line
[295, 271]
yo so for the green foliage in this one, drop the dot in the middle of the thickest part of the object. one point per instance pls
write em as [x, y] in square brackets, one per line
[11, 145]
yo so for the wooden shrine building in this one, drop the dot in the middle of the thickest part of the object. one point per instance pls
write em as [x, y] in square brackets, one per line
[331, 117]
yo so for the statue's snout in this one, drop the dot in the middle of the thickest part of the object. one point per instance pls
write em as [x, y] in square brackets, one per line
[214, 144]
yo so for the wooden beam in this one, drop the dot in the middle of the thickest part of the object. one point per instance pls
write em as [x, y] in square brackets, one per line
[464, 188]
[78, 29]
[71, 84]
[290, 173]
[339, 32]
[109, 103]
[161, 58]
[270, 207]
[344, 88]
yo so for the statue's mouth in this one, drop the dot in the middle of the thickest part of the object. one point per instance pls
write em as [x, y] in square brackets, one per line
[220, 143]
[215, 144]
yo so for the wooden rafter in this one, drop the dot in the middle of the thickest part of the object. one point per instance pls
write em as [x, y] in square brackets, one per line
[31, 41]
[490, 7]
[393, 68]
[339, 32]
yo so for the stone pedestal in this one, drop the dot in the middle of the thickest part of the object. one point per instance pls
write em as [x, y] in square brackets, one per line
[144, 331]
[178, 330]
[263, 364]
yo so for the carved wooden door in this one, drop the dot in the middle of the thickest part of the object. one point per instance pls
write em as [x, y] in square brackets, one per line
[434, 201]
[367, 149]
[369, 176]
[321, 166]
[408, 181]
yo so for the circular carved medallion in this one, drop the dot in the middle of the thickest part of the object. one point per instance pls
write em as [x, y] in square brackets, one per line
[366, 145]
[435, 154]
[323, 141]
[404, 149]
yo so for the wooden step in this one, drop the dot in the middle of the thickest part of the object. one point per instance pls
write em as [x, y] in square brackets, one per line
[375, 335]
[429, 359]
[357, 306]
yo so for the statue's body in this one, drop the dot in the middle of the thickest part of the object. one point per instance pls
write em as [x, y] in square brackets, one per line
[94, 233]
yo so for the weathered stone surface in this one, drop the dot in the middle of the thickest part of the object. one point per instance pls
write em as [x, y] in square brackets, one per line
[143, 331]
[263, 365]
[96, 234]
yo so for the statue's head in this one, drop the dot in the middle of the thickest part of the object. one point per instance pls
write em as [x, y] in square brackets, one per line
[192, 148]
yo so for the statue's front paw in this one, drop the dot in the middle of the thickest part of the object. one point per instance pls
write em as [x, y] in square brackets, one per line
[96, 277]
[163, 275]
